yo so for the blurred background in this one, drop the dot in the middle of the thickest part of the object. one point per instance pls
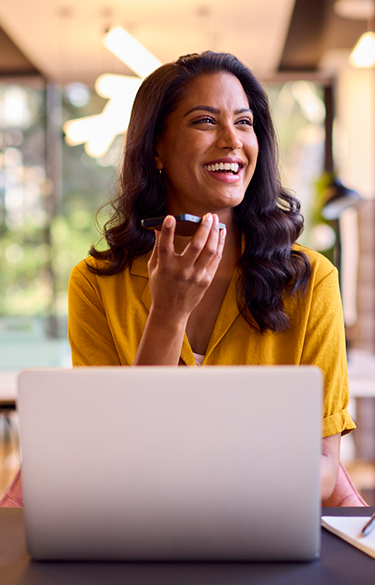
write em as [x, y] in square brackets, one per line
[69, 71]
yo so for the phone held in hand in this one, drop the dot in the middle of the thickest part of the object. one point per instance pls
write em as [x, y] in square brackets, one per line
[186, 224]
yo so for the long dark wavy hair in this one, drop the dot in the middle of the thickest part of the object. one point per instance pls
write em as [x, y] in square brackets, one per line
[268, 218]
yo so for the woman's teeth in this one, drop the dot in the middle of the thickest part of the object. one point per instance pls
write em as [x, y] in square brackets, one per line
[222, 167]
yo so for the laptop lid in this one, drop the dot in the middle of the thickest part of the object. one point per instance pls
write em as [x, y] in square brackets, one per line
[165, 463]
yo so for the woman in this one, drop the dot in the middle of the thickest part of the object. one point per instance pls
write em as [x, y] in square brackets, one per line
[201, 141]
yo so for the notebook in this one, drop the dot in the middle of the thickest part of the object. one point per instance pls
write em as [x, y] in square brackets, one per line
[349, 529]
[166, 463]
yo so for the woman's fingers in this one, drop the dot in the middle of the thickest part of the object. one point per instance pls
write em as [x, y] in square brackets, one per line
[196, 245]
[166, 236]
[203, 251]
[163, 243]
[211, 247]
[153, 261]
[214, 264]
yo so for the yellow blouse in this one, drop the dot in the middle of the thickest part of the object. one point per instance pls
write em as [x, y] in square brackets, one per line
[107, 316]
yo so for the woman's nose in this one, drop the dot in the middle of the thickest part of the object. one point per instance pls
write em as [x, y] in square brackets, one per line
[228, 138]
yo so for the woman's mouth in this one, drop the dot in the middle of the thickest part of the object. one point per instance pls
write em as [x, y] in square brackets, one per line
[228, 167]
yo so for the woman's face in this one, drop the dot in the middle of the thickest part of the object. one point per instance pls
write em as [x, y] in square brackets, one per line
[209, 149]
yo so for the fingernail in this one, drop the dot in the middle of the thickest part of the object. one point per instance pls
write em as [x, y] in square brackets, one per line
[207, 218]
[168, 222]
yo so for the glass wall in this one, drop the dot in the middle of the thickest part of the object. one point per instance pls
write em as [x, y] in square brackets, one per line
[299, 116]
[49, 194]
[24, 252]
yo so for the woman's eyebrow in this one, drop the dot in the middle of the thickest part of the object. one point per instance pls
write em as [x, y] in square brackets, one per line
[216, 111]
[205, 108]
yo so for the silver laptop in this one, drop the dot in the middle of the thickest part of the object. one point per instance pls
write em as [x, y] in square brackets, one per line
[166, 463]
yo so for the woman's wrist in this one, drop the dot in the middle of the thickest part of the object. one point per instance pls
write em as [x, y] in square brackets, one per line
[164, 318]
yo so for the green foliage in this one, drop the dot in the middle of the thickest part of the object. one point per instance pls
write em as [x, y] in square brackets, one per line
[321, 185]
[38, 253]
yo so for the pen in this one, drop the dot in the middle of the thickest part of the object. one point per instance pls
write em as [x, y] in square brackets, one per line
[369, 526]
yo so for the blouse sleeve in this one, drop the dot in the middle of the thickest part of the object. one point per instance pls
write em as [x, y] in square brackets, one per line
[90, 336]
[325, 347]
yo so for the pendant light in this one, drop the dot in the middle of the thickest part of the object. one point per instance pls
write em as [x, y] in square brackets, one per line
[363, 54]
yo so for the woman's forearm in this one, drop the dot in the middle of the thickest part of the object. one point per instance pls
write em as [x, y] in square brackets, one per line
[330, 460]
[161, 341]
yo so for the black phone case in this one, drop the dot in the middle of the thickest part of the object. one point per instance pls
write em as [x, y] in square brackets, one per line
[186, 225]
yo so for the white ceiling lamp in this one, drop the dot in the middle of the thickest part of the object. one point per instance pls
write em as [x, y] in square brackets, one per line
[98, 132]
[131, 52]
[363, 54]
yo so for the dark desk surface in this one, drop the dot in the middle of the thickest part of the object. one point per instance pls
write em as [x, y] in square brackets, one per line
[340, 564]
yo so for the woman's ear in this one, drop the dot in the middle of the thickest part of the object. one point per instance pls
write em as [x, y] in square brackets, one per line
[158, 163]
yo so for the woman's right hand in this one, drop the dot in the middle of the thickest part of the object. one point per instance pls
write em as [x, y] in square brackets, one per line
[179, 281]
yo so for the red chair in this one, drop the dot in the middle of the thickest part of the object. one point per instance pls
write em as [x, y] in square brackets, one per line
[13, 497]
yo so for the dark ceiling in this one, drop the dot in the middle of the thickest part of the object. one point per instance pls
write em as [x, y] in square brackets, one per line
[12, 61]
[314, 29]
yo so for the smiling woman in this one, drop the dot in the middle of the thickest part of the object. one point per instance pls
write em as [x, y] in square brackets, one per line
[201, 142]
[167, 115]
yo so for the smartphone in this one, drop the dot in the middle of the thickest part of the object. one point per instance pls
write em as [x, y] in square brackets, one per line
[186, 224]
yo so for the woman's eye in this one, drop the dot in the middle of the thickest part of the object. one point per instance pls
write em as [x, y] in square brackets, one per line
[205, 120]
[246, 122]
